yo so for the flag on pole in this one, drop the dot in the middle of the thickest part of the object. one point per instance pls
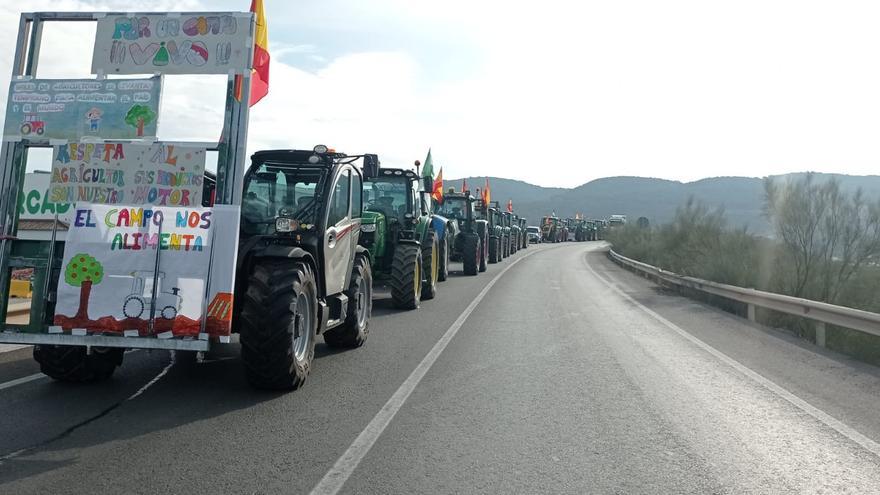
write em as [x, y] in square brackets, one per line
[464, 185]
[510, 206]
[260, 72]
[487, 193]
[428, 169]
[437, 192]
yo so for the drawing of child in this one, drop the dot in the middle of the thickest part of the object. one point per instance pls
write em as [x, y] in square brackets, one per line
[93, 116]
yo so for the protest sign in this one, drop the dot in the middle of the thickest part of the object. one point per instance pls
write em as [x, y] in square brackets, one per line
[71, 109]
[173, 43]
[133, 174]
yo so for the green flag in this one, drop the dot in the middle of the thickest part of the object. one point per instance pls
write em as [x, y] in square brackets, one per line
[428, 170]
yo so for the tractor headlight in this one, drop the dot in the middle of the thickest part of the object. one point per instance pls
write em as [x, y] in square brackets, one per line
[368, 227]
[284, 224]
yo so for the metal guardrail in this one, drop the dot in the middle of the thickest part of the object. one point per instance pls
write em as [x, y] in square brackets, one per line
[822, 313]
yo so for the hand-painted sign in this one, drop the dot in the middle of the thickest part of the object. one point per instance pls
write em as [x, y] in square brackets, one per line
[33, 200]
[74, 108]
[110, 282]
[133, 174]
[173, 43]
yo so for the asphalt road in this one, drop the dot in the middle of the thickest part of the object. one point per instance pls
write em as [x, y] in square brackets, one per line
[569, 375]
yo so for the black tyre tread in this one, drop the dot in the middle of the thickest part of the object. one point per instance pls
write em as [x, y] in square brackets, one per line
[493, 250]
[406, 256]
[348, 335]
[483, 255]
[429, 286]
[267, 314]
[444, 259]
[470, 253]
[75, 365]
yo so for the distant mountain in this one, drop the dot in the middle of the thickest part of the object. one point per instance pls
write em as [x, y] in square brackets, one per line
[657, 199]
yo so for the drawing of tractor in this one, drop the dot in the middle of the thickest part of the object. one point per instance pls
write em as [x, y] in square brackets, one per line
[32, 123]
[167, 303]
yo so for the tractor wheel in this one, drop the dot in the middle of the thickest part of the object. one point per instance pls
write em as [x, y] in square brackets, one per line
[353, 333]
[406, 276]
[484, 253]
[505, 249]
[493, 250]
[471, 254]
[279, 324]
[431, 264]
[169, 312]
[75, 364]
[133, 307]
[25, 129]
[40, 131]
[443, 274]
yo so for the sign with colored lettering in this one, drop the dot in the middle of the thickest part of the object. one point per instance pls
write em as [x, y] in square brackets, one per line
[144, 269]
[134, 174]
[71, 109]
[174, 43]
[33, 200]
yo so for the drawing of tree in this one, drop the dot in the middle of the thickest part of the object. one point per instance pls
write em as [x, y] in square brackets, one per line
[138, 116]
[83, 271]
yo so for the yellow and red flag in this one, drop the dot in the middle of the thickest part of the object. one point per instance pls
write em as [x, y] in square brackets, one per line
[464, 187]
[510, 206]
[260, 72]
[487, 194]
[437, 193]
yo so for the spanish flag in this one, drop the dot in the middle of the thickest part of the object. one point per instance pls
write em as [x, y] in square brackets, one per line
[487, 193]
[437, 193]
[260, 72]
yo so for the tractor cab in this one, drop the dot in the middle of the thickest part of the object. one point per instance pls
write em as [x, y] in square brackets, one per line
[469, 240]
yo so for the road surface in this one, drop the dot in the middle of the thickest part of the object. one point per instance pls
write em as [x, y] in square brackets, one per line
[554, 372]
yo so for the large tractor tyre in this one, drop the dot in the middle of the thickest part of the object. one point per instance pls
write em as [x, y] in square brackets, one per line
[506, 248]
[406, 276]
[471, 254]
[484, 254]
[279, 324]
[353, 333]
[431, 265]
[493, 250]
[76, 364]
[443, 273]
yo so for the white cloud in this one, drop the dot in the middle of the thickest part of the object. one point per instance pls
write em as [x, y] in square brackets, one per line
[562, 92]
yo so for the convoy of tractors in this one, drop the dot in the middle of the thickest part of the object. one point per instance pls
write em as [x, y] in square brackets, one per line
[316, 228]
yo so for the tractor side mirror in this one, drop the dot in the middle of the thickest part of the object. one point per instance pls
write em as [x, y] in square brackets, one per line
[371, 166]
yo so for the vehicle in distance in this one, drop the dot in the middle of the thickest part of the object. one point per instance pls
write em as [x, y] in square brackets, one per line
[534, 233]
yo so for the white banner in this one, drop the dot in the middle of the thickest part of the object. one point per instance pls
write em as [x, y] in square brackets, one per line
[110, 269]
[174, 43]
[130, 174]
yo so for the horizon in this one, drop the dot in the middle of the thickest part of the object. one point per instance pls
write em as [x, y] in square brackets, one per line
[637, 87]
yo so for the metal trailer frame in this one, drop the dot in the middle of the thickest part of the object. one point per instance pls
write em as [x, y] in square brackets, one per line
[231, 165]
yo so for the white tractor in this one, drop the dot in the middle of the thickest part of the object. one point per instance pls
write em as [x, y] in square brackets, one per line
[167, 303]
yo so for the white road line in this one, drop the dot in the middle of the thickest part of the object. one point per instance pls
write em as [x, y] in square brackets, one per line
[333, 481]
[24, 379]
[821, 416]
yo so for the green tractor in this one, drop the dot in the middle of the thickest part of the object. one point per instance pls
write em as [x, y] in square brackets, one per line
[406, 243]
[505, 231]
[495, 231]
[468, 240]
[516, 233]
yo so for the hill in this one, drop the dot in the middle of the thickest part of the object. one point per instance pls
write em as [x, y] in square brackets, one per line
[657, 199]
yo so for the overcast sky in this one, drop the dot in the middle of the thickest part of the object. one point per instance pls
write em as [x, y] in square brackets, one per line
[555, 92]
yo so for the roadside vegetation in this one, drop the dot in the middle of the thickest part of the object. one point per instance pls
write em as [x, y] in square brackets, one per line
[825, 247]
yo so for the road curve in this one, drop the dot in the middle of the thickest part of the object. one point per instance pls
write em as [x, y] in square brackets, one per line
[569, 376]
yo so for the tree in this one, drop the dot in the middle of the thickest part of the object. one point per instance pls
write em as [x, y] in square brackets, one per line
[83, 271]
[138, 116]
[827, 234]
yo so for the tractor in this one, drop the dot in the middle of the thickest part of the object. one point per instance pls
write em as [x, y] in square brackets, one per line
[515, 232]
[469, 244]
[551, 229]
[300, 270]
[33, 124]
[495, 231]
[403, 238]
[505, 232]
[524, 233]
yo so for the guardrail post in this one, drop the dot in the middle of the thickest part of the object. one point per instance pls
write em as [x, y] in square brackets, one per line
[751, 311]
[820, 333]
